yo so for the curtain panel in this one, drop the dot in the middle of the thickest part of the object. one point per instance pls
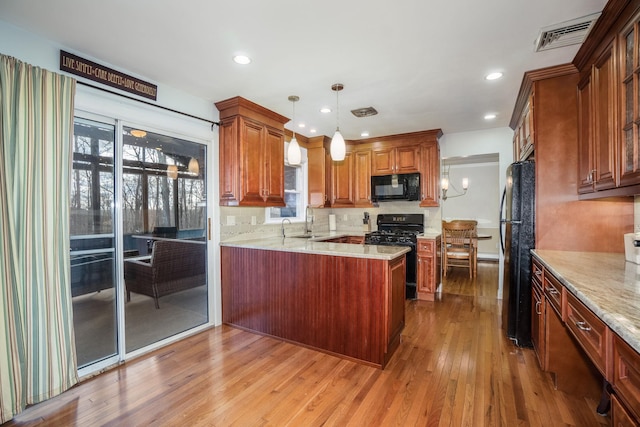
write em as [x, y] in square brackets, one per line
[37, 345]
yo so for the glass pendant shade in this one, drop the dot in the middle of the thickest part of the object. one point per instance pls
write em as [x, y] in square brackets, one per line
[338, 147]
[172, 171]
[294, 155]
[194, 167]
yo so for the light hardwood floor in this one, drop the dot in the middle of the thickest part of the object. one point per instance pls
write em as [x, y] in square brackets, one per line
[454, 367]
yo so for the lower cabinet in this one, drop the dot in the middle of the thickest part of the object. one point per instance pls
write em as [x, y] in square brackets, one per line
[580, 350]
[620, 417]
[429, 266]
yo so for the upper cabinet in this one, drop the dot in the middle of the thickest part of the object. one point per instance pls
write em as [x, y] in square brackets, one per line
[251, 154]
[608, 104]
[523, 140]
[596, 126]
[395, 160]
[348, 183]
[630, 103]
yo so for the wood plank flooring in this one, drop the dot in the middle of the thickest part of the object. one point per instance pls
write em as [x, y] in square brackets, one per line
[454, 367]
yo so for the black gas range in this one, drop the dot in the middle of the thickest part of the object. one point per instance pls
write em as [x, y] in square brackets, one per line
[400, 230]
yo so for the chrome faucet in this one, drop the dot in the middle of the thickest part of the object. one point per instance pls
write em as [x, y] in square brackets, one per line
[286, 219]
[308, 220]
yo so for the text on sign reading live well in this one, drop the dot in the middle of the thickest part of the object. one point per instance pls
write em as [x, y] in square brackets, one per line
[99, 73]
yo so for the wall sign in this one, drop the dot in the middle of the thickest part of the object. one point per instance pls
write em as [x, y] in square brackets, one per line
[108, 76]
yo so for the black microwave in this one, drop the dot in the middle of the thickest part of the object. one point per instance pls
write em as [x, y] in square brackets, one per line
[395, 187]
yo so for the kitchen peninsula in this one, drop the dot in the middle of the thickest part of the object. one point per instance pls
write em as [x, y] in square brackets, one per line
[343, 299]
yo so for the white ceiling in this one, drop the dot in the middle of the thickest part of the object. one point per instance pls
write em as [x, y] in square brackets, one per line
[420, 63]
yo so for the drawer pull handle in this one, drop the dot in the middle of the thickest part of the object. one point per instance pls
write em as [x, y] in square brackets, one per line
[553, 291]
[538, 303]
[583, 326]
[538, 273]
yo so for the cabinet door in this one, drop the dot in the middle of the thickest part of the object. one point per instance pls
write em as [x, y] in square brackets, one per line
[604, 114]
[585, 140]
[229, 173]
[252, 161]
[273, 172]
[407, 159]
[383, 161]
[620, 417]
[537, 325]
[430, 177]
[342, 182]
[317, 178]
[630, 105]
[362, 178]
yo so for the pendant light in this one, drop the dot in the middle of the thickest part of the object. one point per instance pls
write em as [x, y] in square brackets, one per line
[172, 171]
[338, 147]
[294, 155]
[194, 166]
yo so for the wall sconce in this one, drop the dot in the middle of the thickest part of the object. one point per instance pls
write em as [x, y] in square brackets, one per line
[445, 187]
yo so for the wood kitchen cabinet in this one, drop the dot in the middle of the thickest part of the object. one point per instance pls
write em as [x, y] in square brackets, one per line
[362, 178]
[319, 172]
[342, 182]
[557, 351]
[596, 126]
[395, 160]
[251, 154]
[630, 102]
[538, 305]
[348, 183]
[430, 175]
[523, 136]
[429, 267]
[609, 91]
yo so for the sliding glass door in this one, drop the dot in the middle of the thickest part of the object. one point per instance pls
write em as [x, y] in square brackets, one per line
[164, 224]
[149, 188]
[93, 267]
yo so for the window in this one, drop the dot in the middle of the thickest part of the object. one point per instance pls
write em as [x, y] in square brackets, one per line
[295, 193]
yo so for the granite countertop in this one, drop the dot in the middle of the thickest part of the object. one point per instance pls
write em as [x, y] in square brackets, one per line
[604, 282]
[429, 235]
[315, 246]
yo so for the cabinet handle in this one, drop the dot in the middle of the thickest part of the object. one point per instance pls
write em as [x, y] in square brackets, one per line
[538, 273]
[538, 303]
[583, 326]
[553, 291]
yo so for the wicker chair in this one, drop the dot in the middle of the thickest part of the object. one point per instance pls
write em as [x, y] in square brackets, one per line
[174, 266]
[458, 245]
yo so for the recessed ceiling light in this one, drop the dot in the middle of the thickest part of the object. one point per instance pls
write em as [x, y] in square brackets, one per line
[325, 110]
[241, 59]
[490, 116]
[365, 133]
[493, 76]
[301, 125]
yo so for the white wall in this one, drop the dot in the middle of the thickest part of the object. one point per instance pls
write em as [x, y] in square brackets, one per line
[43, 53]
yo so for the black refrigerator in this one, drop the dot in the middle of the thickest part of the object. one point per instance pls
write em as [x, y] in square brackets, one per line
[517, 233]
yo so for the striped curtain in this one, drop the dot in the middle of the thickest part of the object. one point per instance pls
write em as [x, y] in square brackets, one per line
[37, 346]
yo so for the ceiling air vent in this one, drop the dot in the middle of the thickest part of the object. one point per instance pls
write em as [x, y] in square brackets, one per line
[565, 33]
[364, 112]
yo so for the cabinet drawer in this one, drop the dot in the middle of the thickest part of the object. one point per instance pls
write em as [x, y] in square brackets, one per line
[620, 417]
[553, 290]
[536, 276]
[626, 374]
[426, 247]
[590, 331]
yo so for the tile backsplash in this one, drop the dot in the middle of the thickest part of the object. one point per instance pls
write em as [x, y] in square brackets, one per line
[238, 223]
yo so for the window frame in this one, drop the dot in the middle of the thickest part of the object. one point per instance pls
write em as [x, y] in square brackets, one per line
[303, 180]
